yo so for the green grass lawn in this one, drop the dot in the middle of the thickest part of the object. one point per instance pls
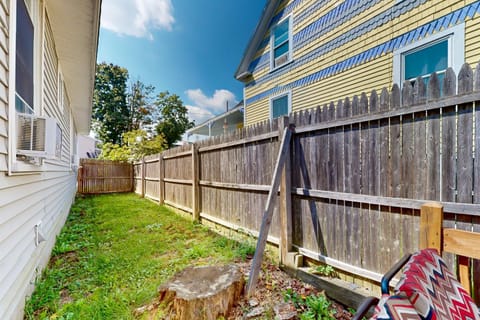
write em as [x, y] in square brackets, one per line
[113, 253]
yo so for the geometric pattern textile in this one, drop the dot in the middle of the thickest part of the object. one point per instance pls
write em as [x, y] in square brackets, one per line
[433, 290]
[395, 307]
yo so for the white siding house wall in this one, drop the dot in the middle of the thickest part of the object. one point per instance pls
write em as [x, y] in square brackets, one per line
[3, 84]
[27, 198]
[24, 201]
[55, 98]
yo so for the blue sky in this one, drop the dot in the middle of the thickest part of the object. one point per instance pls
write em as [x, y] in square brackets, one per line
[188, 47]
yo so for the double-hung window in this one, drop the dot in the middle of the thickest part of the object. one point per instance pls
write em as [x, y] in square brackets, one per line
[25, 129]
[280, 42]
[280, 106]
[432, 54]
[24, 60]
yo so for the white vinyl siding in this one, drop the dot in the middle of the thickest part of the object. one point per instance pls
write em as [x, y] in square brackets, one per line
[55, 100]
[43, 195]
[24, 201]
[3, 85]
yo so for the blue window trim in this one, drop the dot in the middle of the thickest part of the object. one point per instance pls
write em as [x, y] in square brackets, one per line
[389, 46]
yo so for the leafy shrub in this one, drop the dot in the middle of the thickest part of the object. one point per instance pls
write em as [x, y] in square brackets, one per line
[313, 307]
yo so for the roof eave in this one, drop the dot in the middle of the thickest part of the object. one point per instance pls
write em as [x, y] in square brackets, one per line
[243, 76]
[237, 108]
[242, 71]
[75, 26]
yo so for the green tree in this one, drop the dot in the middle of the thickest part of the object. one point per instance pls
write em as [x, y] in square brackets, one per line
[140, 103]
[173, 117]
[110, 114]
[136, 144]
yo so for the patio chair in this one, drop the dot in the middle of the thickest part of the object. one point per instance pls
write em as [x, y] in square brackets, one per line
[427, 289]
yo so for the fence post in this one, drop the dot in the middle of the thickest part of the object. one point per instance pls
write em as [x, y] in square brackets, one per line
[143, 177]
[80, 178]
[283, 154]
[285, 200]
[132, 177]
[431, 220]
[161, 175]
[195, 187]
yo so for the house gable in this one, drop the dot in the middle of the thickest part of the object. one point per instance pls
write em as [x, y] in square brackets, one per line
[333, 38]
[257, 39]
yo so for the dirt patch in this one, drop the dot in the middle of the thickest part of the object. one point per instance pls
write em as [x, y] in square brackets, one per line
[66, 257]
[268, 300]
[65, 297]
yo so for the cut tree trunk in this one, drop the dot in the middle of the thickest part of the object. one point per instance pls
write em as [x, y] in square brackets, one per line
[202, 292]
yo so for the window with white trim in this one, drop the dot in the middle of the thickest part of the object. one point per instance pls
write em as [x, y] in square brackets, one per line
[432, 54]
[280, 106]
[33, 136]
[24, 60]
[280, 44]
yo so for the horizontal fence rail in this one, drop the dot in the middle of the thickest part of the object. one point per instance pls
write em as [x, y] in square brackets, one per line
[358, 172]
[104, 176]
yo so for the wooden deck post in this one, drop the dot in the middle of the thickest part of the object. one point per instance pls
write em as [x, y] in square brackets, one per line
[285, 200]
[195, 186]
[431, 221]
[459, 242]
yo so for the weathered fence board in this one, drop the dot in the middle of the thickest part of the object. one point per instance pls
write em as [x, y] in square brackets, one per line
[360, 170]
[103, 176]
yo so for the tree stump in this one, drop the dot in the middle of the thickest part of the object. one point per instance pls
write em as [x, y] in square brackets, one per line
[202, 292]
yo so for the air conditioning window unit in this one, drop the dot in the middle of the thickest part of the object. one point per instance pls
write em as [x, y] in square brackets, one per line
[38, 136]
[281, 60]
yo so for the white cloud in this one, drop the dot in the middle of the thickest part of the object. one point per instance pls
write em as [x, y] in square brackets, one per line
[198, 114]
[137, 17]
[216, 104]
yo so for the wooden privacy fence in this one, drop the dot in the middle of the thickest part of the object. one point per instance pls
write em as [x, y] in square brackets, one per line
[104, 176]
[357, 174]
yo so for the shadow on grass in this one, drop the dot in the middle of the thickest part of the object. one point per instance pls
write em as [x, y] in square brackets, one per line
[113, 253]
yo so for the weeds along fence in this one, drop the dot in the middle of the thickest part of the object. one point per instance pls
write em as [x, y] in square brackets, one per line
[104, 176]
[357, 174]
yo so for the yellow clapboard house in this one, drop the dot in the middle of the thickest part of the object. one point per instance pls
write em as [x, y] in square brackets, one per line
[305, 53]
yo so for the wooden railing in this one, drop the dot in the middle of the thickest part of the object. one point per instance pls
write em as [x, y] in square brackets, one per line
[465, 245]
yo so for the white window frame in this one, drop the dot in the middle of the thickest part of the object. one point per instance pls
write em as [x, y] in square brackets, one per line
[273, 67]
[36, 11]
[456, 50]
[281, 95]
